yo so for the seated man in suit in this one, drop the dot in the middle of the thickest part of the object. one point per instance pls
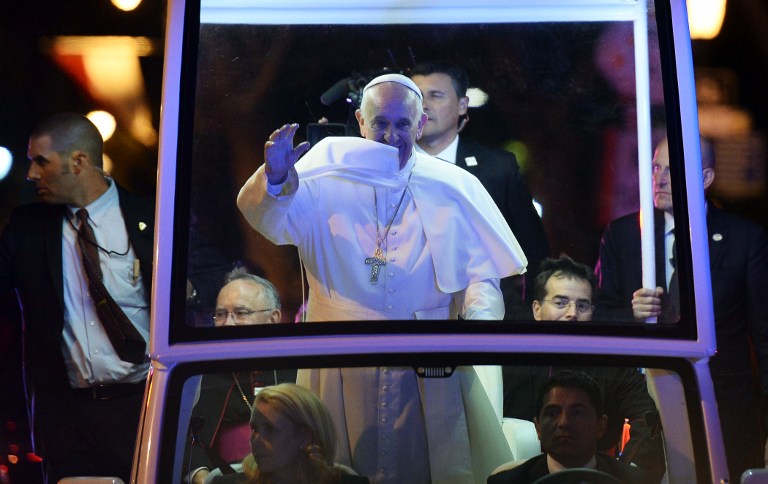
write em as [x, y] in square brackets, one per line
[221, 415]
[563, 291]
[570, 420]
[444, 86]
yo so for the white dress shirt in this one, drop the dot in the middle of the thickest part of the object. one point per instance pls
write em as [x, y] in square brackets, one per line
[555, 466]
[448, 154]
[89, 356]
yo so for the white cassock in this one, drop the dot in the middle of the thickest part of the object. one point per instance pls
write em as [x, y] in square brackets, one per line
[445, 246]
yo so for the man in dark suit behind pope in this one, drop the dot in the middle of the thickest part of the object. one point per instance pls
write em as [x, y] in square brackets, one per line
[738, 257]
[444, 86]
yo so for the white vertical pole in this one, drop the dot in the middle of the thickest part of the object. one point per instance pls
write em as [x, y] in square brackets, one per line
[644, 148]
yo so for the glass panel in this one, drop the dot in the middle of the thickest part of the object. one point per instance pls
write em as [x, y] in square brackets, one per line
[391, 422]
[560, 96]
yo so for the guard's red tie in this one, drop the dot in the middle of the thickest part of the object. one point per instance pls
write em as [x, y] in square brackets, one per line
[125, 338]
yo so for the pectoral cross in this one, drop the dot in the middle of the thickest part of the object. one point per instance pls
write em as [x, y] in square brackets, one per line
[376, 262]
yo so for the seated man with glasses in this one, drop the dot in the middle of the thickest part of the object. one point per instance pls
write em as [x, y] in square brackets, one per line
[563, 291]
[220, 429]
[246, 299]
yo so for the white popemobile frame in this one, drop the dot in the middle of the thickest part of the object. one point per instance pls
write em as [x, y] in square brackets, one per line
[166, 356]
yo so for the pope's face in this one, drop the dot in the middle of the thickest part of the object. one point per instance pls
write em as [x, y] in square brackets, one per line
[662, 187]
[442, 106]
[392, 117]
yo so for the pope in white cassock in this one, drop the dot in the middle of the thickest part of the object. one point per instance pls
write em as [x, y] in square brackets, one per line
[388, 233]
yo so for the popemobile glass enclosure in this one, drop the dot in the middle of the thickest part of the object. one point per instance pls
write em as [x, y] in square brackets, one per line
[580, 91]
[556, 83]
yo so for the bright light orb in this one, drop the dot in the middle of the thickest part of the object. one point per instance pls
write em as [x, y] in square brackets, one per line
[126, 5]
[539, 208]
[477, 97]
[105, 123]
[705, 17]
[6, 162]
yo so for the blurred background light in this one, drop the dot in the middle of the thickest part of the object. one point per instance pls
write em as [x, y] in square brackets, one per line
[705, 17]
[6, 161]
[108, 68]
[539, 208]
[126, 5]
[477, 97]
[104, 121]
[520, 150]
[108, 164]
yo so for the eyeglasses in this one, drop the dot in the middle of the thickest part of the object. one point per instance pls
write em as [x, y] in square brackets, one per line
[582, 306]
[240, 316]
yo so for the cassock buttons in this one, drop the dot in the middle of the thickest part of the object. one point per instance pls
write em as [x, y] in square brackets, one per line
[717, 237]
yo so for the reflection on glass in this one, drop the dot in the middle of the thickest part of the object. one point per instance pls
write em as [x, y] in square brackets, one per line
[572, 83]
[512, 419]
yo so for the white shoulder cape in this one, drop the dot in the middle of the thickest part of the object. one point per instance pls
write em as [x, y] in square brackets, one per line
[457, 213]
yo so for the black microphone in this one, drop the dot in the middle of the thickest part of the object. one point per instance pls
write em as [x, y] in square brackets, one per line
[336, 92]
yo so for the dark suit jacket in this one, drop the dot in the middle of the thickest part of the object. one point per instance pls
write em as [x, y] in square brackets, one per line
[31, 263]
[499, 173]
[536, 468]
[619, 268]
[738, 257]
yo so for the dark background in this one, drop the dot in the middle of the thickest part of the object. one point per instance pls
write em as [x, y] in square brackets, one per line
[32, 87]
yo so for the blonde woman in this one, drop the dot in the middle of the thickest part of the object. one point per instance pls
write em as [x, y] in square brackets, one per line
[292, 441]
